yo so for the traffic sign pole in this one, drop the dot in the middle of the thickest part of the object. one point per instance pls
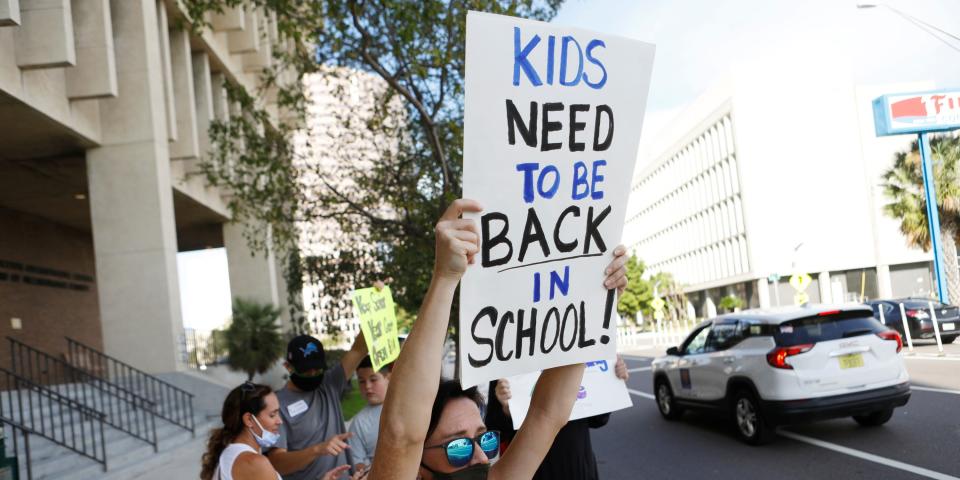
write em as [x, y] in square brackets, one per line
[933, 216]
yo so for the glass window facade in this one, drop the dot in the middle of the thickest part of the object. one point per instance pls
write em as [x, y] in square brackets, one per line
[689, 219]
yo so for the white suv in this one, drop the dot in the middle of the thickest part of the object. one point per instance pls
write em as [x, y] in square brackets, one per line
[786, 365]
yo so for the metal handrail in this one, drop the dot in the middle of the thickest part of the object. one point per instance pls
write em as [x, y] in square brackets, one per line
[173, 403]
[124, 410]
[80, 428]
[15, 426]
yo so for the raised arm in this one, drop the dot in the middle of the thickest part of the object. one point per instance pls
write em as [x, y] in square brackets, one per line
[553, 399]
[352, 358]
[416, 373]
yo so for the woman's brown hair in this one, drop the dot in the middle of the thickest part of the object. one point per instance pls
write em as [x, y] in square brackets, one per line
[247, 398]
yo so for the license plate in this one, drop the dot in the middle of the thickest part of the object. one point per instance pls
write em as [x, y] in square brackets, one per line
[854, 360]
[949, 326]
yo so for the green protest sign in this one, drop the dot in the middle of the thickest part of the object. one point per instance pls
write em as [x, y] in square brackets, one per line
[378, 322]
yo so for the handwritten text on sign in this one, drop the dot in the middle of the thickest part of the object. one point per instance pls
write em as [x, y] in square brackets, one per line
[552, 123]
[378, 322]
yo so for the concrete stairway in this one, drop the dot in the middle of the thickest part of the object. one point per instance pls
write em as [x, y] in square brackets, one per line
[124, 452]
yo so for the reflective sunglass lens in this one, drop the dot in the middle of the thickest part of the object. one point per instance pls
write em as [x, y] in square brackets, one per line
[459, 452]
[490, 444]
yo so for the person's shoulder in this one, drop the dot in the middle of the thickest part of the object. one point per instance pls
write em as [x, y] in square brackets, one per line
[368, 413]
[253, 463]
[285, 395]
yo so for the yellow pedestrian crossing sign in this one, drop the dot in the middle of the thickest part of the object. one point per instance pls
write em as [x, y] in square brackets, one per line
[800, 281]
[658, 304]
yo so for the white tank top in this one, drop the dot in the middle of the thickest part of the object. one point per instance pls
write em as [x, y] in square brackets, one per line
[229, 455]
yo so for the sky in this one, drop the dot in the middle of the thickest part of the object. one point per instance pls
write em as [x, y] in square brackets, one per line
[698, 42]
[204, 288]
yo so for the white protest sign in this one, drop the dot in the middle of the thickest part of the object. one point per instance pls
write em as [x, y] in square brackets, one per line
[552, 124]
[600, 392]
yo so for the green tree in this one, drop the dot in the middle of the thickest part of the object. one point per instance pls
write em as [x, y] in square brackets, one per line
[731, 303]
[903, 187]
[638, 294]
[417, 50]
[253, 339]
[672, 293]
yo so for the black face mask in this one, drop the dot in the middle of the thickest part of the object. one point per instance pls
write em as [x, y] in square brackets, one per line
[307, 384]
[477, 471]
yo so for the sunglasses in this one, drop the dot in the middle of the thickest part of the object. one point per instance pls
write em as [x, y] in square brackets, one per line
[460, 450]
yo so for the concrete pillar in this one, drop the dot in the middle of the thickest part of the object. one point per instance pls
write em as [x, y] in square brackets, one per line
[163, 27]
[884, 284]
[186, 145]
[252, 275]
[45, 36]
[203, 98]
[231, 18]
[131, 204]
[218, 94]
[248, 39]
[9, 13]
[763, 291]
[823, 281]
[95, 74]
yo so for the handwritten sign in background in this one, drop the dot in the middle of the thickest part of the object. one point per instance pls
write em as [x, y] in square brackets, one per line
[600, 392]
[552, 124]
[378, 322]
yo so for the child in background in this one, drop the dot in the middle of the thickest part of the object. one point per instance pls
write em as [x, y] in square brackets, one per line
[365, 426]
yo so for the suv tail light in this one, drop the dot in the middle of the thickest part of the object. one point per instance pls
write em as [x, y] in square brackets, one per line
[777, 358]
[918, 314]
[891, 335]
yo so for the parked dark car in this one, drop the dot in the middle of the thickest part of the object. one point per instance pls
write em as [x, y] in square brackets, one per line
[918, 317]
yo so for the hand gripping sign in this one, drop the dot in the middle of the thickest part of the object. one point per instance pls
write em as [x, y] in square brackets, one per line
[378, 322]
[552, 124]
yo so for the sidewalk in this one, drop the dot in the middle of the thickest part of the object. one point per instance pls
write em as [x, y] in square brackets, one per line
[181, 463]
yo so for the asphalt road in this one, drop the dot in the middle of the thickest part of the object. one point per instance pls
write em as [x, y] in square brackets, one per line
[921, 441]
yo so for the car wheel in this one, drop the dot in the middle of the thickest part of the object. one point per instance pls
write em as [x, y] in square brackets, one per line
[948, 339]
[666, 402]
[874, 419]
[751, 427]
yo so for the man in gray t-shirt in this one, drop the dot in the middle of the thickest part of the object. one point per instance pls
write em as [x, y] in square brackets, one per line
[312, 437]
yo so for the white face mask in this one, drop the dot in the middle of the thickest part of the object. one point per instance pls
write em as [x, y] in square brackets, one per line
[268, 439]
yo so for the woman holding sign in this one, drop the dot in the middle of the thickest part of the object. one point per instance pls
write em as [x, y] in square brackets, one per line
[446, 437]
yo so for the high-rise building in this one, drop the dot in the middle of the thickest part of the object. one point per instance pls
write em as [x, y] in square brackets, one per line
[770, 173]
[104, 111]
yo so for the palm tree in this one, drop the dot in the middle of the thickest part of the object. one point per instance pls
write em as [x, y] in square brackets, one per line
[253, 338]
[903, 186]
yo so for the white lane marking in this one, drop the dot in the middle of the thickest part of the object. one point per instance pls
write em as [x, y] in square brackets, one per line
[640, 394]
[640, 369]
[928, 389]
[868, 456]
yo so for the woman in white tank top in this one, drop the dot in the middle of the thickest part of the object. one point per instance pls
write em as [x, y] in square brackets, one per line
[251, 422]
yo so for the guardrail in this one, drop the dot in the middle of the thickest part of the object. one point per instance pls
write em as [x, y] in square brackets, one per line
[38, 410]
[172, 403]
[123, 409]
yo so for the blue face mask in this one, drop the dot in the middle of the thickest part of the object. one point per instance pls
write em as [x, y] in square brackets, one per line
[268, 439]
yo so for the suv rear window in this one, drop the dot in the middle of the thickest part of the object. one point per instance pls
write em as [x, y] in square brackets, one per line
[825, 328]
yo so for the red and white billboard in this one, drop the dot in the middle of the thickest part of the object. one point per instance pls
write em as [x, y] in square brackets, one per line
[917, 112]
